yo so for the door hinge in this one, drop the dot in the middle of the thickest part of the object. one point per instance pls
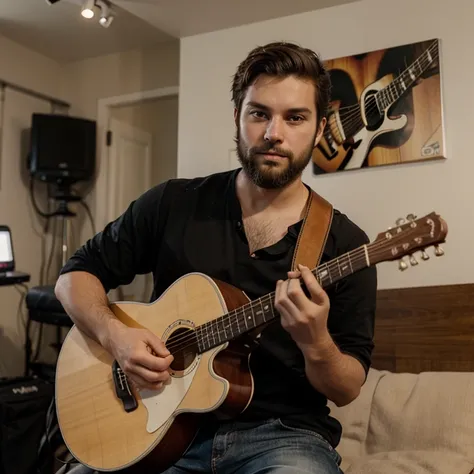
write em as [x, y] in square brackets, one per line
[108, 137]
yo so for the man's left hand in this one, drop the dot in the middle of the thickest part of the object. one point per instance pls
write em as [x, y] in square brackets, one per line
[304, 318]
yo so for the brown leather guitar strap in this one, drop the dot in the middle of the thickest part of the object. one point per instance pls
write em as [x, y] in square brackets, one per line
[314, 232]
[310, 245]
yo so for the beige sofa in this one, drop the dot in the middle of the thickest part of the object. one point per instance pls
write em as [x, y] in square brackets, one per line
[409, 424]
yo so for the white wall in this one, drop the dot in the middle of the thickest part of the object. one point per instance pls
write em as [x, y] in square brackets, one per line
[116, 74]
[89, 80]
[29, 69]
[160, 118]
[373, 198]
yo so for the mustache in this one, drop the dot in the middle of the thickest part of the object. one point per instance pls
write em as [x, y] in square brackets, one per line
[270, 148]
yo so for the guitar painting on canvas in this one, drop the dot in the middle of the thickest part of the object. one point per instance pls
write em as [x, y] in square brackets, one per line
[385, 108]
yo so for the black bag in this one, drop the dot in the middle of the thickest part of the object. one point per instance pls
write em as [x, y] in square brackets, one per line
[24, 403]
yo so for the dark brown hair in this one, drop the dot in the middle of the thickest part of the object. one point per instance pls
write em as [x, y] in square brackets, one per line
[283, 59]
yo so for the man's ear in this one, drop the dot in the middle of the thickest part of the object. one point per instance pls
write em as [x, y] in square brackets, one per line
[236, 117]
[319, 134]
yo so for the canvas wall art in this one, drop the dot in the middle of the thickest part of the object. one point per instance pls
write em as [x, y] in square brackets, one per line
[385, 108]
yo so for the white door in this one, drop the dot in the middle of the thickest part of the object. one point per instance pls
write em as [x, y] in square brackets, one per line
[130, 165]
[130, 168]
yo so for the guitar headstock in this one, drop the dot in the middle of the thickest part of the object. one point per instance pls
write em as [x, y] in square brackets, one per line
[410, 235]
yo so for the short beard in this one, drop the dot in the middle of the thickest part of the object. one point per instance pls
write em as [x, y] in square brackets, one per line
[266, 178]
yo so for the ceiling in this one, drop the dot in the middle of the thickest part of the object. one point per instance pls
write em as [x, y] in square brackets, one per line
[59, 31]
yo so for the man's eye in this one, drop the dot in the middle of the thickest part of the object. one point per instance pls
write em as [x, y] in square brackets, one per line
[296, 118]
[258, 114]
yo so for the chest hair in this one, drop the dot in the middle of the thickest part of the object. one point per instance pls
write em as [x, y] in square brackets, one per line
[261, 232]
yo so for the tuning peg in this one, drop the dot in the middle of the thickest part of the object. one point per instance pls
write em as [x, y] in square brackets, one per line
[424, 255]
[400, 221]
[402, 265]
[411, 217]
[438, 251]
[413, 261]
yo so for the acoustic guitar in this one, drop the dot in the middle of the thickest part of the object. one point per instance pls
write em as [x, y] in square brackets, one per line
[354, 128]
[109, 425]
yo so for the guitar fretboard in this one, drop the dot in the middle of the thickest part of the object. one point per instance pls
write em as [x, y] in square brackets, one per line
[262, 310]
[391, 93]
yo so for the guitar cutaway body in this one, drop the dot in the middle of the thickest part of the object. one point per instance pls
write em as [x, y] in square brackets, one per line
[159, 426]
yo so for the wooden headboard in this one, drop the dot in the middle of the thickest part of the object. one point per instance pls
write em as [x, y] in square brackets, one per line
[425, 329]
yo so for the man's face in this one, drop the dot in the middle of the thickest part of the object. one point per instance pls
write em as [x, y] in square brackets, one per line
[277, 130]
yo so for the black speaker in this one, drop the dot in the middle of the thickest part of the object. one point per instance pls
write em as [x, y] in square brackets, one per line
[63, 148]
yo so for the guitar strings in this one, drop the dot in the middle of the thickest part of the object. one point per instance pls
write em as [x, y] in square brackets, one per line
[353, 117]
[233, 316]
[351, 120]
[173, 343]
[360, 252]
[229, 319]
[358, 257]
[434, 45]
[227, 322]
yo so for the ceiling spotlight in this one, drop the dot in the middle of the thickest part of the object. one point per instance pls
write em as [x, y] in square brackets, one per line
[51, 2]
[106, 16]
[105, 21]
[88, 9]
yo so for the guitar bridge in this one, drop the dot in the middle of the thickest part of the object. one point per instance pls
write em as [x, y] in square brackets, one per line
[122, 388]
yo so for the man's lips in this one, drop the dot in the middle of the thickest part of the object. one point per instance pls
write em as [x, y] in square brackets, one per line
[277, 155]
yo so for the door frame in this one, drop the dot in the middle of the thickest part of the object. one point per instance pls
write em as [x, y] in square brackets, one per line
[103, 165]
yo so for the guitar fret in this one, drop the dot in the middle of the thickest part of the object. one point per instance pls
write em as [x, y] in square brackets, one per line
[220, 329]
[208, 338]
[262, 311]
[392, 92]
[213, 336]
[201, 347]
[253, 316]
[240, 323]
[245, 320]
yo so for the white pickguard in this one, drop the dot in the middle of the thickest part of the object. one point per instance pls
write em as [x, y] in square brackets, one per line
[367, 137]
[161, 404]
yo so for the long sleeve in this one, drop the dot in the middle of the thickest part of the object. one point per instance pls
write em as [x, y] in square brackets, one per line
[126, 247]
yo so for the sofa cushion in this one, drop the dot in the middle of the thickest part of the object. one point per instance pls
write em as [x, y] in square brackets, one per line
[431, 412]
[427, 411]
[409, 462]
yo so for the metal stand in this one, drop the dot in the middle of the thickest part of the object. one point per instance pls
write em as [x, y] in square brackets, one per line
[63, 196]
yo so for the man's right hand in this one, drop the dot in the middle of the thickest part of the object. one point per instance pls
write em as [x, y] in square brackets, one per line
[141, 355]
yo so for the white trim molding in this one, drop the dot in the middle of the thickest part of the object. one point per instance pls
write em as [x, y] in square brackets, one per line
[103, 116]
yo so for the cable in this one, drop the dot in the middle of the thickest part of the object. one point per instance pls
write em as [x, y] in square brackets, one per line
[35, 206]
[89, 214]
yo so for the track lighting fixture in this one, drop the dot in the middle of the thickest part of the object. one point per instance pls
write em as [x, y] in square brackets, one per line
[106, 16]
[91, 7]
[88, 8]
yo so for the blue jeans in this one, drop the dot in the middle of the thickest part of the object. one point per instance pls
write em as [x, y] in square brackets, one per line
[251, 448]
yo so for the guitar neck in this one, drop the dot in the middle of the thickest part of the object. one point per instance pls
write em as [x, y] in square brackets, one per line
[391, 93]
[261, 311]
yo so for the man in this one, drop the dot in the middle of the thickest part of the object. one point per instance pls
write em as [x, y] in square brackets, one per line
[241, 227]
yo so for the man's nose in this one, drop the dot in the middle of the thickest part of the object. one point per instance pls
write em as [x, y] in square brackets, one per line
[274, 132]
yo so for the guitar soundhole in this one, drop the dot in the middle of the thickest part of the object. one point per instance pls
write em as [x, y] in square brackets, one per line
[182, 343]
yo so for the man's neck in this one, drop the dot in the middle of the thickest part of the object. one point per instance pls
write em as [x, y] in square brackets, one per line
[255, 199]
